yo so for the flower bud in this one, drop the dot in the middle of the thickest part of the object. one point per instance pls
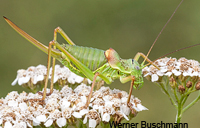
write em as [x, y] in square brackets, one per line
[181, 89]
[197, 86]
[189, 84]
[172, 82]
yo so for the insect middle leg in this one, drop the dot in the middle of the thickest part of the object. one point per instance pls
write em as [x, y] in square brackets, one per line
[90, 94]
[126, 79]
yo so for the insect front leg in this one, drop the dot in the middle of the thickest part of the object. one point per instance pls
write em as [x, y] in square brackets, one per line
[137, 56]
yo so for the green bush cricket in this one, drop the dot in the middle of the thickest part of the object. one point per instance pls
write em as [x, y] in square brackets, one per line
[92, 63]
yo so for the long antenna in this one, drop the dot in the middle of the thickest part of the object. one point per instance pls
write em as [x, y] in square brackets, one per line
[162, 31]
[175, 51]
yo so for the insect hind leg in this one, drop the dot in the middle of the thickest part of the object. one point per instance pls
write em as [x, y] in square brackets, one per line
[48, 70]
[63, 34]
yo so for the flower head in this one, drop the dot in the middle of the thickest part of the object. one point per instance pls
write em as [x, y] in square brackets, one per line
[60, 109]
[34, 77]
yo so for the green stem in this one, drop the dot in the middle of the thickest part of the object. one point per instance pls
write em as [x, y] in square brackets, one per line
[166, 92]
[179, 113]
[175, 94]
[184, 100]
[192, 103]
[187, 95]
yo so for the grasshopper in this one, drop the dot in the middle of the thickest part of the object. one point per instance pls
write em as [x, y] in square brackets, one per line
[95, 64]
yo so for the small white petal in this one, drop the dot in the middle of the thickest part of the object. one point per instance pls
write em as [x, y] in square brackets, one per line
[125, 116]
[71, 80]
[92, 99]
[61, 122]
[89, 81]
[125, 109]
[79, 79]
[48, 123]
[83, 112]
[65, 104]
[95, 107]
[162, 64]
[23, 124]
[190, 70]
[92, 123]
[168, 74]
[34, 79]
[29, 125]
[85, 120]
[109, 103]
[12, 103]
[23, 80]
[35, 122]
[8, 125]
[83, 99]
[154, 77]
[14, 82]
[186, 74]
[159, 73]
[124, 99]
[147, 74]
[77, 114]
[55, 79]
[195, 74]
[141, 107]
[41, 118]
[163, 70]
[106, 117]
[40, 78]
[23, 106]
[176, 73]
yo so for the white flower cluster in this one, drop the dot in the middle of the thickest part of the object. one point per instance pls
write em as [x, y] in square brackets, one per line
[32, 74]
[172, 66]
[36, 76]
[67, 107]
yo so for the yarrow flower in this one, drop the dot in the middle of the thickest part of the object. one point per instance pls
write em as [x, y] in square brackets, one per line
[177, 78]
[34, 77]
[67, 108]
[177, 72]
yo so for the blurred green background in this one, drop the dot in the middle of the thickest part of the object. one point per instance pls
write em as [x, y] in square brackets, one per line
[127, 26]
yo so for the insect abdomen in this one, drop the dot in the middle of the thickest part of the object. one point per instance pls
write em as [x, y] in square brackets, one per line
[91, 57]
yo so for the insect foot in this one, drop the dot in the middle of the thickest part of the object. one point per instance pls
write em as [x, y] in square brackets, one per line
[178, 78]
[66, 108]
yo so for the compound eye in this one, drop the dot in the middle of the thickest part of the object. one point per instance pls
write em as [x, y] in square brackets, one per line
[132, 61]
[137, 67]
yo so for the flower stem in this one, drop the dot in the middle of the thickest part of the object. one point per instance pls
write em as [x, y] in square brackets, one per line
[179, 113]
[192, 103]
